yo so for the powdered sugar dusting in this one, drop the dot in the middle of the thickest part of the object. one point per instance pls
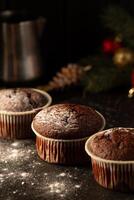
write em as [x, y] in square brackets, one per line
[61, 175]
[56, 187]
[23, 173]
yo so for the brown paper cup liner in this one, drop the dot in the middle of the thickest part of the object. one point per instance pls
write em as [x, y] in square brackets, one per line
[62, 151]
[17, 125]
[111, 174]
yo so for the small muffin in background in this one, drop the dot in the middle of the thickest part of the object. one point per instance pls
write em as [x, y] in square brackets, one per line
[112, 156]
[61, 131]
[18, 106]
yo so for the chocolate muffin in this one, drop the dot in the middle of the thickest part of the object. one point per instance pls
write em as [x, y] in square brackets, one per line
[115, 144]
[112, 155]
[67, 121]
[20, 99]
[18, 106]
[66, 127]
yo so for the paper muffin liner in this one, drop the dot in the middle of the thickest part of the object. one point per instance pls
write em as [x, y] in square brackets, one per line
[111, 174]
[62, 151]
[17, 125]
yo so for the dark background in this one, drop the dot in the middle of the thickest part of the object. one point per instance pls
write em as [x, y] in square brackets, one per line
[73, 27]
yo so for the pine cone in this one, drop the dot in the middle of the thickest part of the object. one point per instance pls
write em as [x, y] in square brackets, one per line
[69, 75]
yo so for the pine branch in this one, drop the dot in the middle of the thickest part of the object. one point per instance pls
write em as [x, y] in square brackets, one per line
[104, 75]
[106, 80]
[120, 22]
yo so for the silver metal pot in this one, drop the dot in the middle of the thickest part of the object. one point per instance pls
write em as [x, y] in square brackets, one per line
[21, 58]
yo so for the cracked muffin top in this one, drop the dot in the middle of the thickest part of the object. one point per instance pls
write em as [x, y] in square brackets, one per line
[20, 99]
[114, 144]
[67, 121]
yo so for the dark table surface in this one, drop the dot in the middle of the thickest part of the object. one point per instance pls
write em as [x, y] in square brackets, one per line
[24, 176]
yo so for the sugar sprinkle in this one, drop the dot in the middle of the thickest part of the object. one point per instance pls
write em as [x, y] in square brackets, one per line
[24, 169]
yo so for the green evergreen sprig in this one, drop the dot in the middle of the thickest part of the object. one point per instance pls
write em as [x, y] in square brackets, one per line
[120, 22]
[104, 75]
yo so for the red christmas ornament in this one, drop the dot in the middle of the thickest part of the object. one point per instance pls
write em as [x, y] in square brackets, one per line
[110, 46]
[132, 79]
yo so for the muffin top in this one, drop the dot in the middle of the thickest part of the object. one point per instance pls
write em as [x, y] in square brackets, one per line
[114, 144]
[67, 121]
[20, 99]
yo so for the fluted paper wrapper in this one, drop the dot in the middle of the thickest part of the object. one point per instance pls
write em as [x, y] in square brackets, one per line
[114, 176]
[17, 125]
[61, 151]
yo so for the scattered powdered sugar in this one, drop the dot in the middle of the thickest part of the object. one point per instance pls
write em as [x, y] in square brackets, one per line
[77, 186]
[15, 153]
[61, 174]
[14, 175]
[22, 183]
[56, 187]
[60, 185]
[15, 191]
[22, 172]
[15, 144]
